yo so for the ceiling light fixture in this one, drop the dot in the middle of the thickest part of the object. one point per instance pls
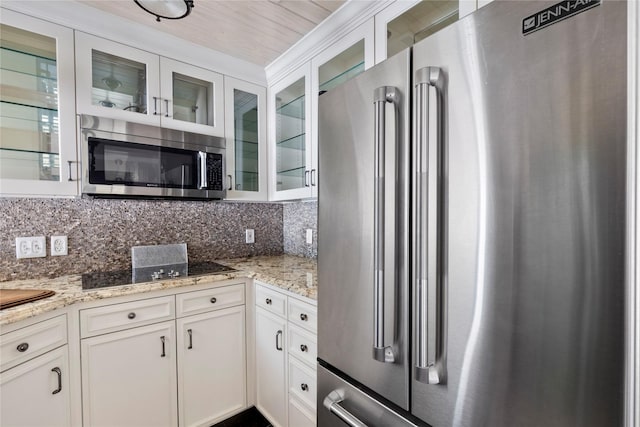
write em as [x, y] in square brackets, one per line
[167, 9]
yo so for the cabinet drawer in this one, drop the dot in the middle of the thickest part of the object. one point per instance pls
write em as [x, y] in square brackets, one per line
[111, 318]
[31, 341]
[302, 382]
[303, 345]
[209, 299]
[303, 314]
[300, 415]
[271, 301]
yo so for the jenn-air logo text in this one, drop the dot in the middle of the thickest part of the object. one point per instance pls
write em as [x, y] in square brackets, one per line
[556, 13]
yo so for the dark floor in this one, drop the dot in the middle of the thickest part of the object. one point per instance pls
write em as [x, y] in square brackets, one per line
[249, 418]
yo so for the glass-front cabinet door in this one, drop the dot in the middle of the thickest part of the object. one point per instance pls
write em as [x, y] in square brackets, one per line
[37, 113]
[343, 60]
[192, 98]
[245, 130]
[290, 163]
[405, 23]
[117, 81]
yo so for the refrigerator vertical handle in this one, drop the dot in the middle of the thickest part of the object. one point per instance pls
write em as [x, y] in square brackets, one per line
[381, 97]
[426, 372]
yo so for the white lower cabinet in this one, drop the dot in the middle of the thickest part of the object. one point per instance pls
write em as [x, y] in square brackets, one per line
[271, 366]
[129, 377]
[286, 353]
[211, 366]
[36, 393]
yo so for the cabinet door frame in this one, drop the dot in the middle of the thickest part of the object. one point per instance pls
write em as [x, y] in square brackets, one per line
[58, 358]
[168, 328]
[216, 104]
[363, 32]
[68, 185]
[230, 84]
[284, 386]
[294, 193]
[85, 43]
[182, 341]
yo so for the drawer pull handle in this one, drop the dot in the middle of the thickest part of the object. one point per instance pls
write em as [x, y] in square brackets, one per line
[131, 315]
[304, 387]
[278, 345]
[190, 332]
[164, 354]
[303, 317]
[303, 347]
[23, 347]
[213, 300]
[59, 372]
[268, 301]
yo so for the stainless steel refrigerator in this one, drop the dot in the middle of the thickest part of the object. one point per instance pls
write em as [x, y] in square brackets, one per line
[471, 246]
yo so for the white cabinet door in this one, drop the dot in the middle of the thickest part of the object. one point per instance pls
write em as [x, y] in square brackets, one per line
[37, 108]
[211, 366]
[246, 133]
[117, 81]
[36, 393]
[271, 368]
[290, 145]
[192, 98]
[129, 377]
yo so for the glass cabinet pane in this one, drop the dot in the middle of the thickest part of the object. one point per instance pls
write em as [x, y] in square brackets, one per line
[245, 122]
[29, 126]
[118, 82]
[342, 67]
[419, 22]
[290, 137]
[191, 99]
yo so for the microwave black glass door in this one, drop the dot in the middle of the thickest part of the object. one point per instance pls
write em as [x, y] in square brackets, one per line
[127, 163]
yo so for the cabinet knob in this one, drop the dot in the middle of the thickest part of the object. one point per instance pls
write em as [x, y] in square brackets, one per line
[131, 315]
[213, 300]
[23, 347]
[303, 347]
[303, 317]
[268, 301]
[304, 387]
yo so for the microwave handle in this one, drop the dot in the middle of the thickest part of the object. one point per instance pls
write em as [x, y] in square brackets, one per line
[202, 157]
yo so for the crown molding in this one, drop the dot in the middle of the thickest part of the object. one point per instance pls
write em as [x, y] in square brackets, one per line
[351, 15]
[87, 19]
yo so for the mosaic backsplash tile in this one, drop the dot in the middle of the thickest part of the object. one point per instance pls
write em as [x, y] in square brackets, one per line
[101, 232]
[297, 218]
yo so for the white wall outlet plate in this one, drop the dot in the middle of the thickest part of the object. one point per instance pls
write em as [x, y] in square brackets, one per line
[309, 235]
[31, 247]
[249, 236]
[59, 246]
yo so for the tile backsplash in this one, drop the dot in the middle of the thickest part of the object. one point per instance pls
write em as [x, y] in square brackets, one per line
[296, 219]
[101, 232]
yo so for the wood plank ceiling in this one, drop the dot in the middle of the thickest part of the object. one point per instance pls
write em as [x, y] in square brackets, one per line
[257, 31]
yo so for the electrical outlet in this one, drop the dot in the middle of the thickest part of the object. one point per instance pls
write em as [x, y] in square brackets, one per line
[309, 236]
[31, 247]
[59, 245]
[249, 236]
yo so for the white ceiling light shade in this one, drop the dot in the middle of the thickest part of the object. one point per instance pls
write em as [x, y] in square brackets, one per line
[167, 9]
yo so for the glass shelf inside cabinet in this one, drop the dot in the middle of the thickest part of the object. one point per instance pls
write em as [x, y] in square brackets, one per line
[419, 22]
[290, 136]
[347, 64]
[118, 83]
[29, 123]
[245, 110]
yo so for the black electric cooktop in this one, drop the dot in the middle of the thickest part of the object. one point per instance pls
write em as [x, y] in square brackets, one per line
[103, 279]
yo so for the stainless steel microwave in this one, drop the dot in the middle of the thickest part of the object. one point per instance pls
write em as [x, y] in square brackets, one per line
[124, 159]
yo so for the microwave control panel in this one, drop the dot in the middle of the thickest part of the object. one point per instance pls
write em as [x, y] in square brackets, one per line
[214, 171]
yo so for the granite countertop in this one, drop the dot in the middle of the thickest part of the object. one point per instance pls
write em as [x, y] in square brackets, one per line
[291, 273]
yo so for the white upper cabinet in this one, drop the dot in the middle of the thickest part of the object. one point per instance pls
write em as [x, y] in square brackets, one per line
[125, 83]
[405, 23]
[246, 135]
[37, 112]
[290, 146]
